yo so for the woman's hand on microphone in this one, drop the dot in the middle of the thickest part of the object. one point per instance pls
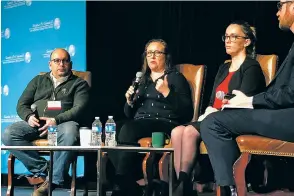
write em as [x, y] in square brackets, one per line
[162, 86]
[128, 95]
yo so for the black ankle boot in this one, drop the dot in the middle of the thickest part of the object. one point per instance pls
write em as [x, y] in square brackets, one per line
[116, 191]
[127, 186]
[118, 187]
[135, 189]
[184, 186]
[164, 188]
[228, 191]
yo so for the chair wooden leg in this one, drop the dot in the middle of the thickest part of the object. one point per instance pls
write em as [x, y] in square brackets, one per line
[239, 168]
[85, 184]
[10, 188]
[103, 174]
[85, 193]
[73, 189]
[144, 167]
[150, 166]
[218, 191]
[51, 155]
[163, 167]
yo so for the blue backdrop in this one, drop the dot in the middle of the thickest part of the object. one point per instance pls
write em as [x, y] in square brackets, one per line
[31, 30]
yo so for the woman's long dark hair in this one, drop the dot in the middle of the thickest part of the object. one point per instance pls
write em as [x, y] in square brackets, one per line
[168, 60]
[250, 33]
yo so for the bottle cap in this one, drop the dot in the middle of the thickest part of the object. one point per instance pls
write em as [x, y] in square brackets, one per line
[110, 116]
[96, 117]
[85, 128]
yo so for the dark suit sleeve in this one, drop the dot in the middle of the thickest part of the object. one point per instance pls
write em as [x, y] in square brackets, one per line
[277, 98]
[253, 80]
[26, 100]
[180, 96]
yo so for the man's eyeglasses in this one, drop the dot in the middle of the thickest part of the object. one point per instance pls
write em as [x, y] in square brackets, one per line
[58, 61]
[156, 53]
[280, 4]
[232, 38]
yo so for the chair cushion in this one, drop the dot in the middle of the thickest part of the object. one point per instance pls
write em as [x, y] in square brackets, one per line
[265, 146]
[40, 142]
[195, 75]
[268, 65]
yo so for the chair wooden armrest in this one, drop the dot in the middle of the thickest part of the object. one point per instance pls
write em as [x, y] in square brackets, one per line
[145, 142]
[257, 145]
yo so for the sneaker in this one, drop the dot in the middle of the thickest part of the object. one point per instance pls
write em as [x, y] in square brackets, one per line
[43, 189]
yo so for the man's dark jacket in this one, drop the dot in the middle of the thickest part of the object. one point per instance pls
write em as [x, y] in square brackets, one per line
[73, 94]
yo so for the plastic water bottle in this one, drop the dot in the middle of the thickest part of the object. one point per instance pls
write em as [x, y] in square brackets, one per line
[96, 135]
[52, 135]
[110, 130]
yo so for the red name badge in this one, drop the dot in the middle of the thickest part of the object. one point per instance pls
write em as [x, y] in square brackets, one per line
[54, 105]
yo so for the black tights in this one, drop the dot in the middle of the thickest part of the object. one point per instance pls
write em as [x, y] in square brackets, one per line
[133, 131]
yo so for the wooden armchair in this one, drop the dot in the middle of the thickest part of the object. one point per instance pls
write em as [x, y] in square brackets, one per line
[195, 75]
[258, 145]
[248, 144]
[44, 142]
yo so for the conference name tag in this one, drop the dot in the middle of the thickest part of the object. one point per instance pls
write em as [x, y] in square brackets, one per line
[54, 105]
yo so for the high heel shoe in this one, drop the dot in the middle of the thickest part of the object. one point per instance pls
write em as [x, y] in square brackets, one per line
[185, 186]
[178, 189]
[117, 189]
[126, 186]
[164, 189]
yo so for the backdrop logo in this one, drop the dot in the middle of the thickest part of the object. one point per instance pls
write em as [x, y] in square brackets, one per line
[3, 151]
[72, 50]
[47, 53]
[57, 23]
[13, 4]
[28, 2]
[16, 58]
[10, 118]
[44, 25]
[28, 57]
[5, 90]
[7, 33]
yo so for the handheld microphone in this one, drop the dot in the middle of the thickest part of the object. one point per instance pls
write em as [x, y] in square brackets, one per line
[229, 96]
[136, 84]
[35, 111]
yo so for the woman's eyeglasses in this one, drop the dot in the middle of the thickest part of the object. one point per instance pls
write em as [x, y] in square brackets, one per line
[232, 38]
[156, 53]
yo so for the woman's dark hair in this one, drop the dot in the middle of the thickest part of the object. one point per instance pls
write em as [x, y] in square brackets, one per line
[168, 59]
[250, 33]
